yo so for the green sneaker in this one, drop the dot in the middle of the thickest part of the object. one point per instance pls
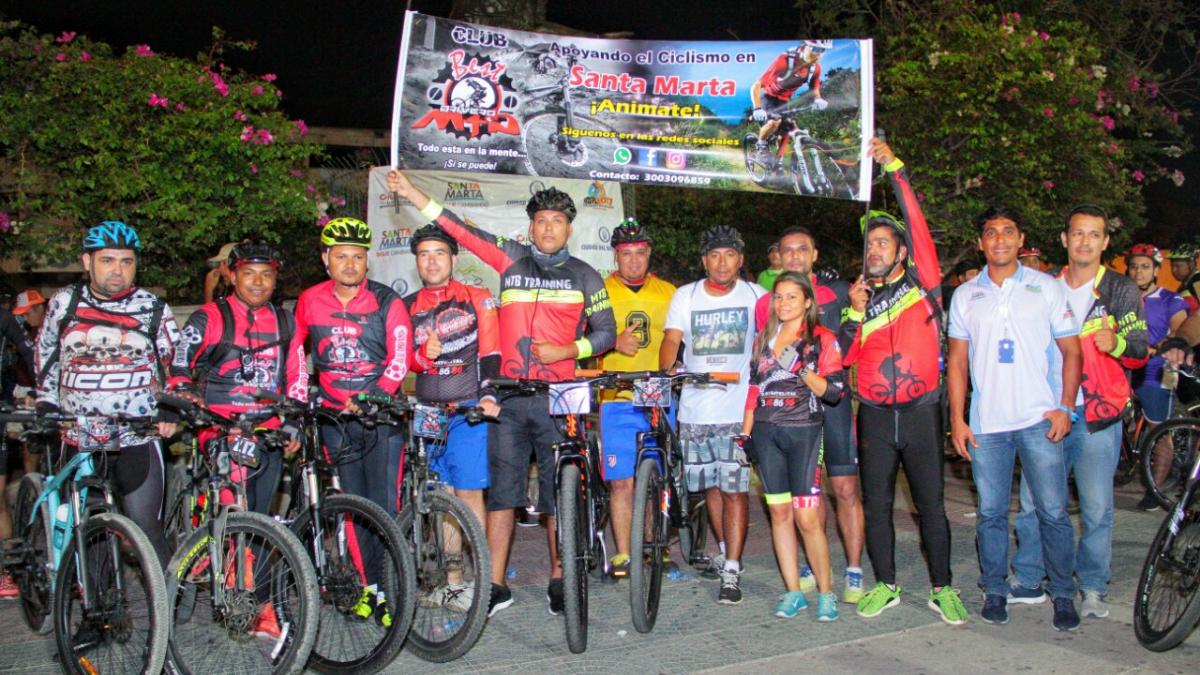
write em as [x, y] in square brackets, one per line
[365, 608]
[880, 598]
[948, 605]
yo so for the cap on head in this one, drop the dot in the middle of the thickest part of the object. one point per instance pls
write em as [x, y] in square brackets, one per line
[346, 232]
[26, 300]
[111, 234]
[551, 199]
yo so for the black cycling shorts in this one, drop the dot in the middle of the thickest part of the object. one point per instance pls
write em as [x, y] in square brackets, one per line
[840, 447]
[774, 107]
[789, 463]
[525, 426]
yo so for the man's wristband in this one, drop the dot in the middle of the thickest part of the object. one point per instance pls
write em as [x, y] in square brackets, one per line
[893, 166]
[584, 347]
[432, 210]
[1070, 412]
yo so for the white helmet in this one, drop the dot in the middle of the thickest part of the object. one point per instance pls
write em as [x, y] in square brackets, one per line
[823, 45]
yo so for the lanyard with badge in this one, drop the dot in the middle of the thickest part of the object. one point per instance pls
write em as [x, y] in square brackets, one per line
[1007, 348]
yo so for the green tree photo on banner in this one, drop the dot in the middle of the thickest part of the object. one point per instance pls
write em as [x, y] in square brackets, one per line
[190, 152]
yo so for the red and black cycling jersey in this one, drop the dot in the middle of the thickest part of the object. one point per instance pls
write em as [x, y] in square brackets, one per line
[226, 363]
[1189, 290]
[557, 299]
[896, 342]
[781, 79]
[363, 346]
[1117, 306]
[779, 395]
[467, 322]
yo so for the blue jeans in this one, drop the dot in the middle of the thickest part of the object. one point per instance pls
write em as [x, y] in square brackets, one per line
[1093, 458]
[1046, 473]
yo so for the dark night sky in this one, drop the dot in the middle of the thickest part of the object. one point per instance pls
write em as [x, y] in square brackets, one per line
[336, 61]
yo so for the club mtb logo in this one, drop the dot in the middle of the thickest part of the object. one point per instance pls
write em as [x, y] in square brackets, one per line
[471, 97]
[597, 197]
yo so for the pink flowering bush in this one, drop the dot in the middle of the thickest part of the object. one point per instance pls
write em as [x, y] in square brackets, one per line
[182, 149]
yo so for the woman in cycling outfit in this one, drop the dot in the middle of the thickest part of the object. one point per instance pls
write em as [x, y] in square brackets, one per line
[796, 366]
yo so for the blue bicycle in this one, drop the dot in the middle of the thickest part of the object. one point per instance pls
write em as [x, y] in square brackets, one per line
[100, 583]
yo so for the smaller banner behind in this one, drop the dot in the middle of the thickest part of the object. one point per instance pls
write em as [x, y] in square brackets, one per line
[682, 113]
[491, 202]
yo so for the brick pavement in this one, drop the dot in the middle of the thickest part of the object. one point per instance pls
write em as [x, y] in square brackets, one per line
[694, 634]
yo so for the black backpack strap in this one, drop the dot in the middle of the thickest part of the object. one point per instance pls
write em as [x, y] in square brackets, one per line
[221, 350]
[69, 314]
[286, 326]
[156, 315]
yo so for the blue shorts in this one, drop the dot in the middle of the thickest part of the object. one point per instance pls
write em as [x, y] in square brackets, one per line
[463, 463]
[1156, 401]
[620, 423]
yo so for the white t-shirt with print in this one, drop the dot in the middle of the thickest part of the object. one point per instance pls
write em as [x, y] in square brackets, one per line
[719, 334]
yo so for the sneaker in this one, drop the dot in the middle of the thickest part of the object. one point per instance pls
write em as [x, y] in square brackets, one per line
[8, 589]
[827, 607]
[715, 565]
[554, 596]
[731, 588]
[620, 567]
[267, 624]
[880, 598]
[1148, 503]
[382, 616]
[995, 609]
[948, 605]
[457, 597]
[365, 607]
[501, 598]
[1023, 595]
[1094, 605]
[527, 518]
[854, 587]
[790, 604]
[808, 582]
[1065, 616]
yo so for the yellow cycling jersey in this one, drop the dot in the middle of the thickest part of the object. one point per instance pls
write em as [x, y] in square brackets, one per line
[647, 307]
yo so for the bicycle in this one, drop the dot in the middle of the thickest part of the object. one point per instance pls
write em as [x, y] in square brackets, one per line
[661, 500]
[1167, 605]
[581, 497]
[77, 559]
[235, 566]
[453, 567]
[347, 537]
[1133, 429]
[825, 176]
[548, 139]
[1182, 435]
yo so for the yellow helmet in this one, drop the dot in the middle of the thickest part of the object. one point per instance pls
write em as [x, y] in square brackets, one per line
[346, 232]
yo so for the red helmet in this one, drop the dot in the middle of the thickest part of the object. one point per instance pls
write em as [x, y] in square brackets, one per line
[1149, 250]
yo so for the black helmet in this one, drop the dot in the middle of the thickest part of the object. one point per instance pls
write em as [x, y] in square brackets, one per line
[721, 236]
[432, 231]
[551, 199]
[629, 232]
[257, 251]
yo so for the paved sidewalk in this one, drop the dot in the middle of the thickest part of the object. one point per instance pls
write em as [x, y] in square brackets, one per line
[695, 634]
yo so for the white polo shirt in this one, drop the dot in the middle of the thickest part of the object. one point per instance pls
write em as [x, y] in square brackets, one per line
[1011, 330]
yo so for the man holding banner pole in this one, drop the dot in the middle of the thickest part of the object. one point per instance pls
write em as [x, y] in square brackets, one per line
[554, 310]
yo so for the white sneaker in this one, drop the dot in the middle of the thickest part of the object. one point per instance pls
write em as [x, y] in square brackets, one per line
[457, 597]
[1093, 605]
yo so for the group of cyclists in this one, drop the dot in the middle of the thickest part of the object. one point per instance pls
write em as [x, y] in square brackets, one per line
[107, 347]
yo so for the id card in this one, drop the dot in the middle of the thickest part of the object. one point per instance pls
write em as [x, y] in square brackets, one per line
[1008, 351]
[570, 398]
[652, 392]
[428, 422]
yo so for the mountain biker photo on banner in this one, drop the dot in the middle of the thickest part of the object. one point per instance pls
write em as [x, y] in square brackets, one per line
[781, 116]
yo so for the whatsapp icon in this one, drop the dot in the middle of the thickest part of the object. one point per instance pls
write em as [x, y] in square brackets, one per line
[622, 156]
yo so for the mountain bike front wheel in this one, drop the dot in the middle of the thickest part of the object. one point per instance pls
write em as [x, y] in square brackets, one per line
[650, 530]
[573, 545]
[1167, 605]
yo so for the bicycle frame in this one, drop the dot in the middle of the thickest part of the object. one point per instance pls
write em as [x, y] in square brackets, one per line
[574, 450]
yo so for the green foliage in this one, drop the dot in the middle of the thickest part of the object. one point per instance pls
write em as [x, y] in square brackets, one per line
[190, 152]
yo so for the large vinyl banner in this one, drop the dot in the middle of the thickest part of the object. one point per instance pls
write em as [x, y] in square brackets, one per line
[493, 202]
[483, 99]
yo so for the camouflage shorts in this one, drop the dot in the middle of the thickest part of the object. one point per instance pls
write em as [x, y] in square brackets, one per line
[710, 459]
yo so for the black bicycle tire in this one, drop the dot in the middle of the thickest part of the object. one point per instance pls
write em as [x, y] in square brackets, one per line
[572, 547]
[28, 490]
[1165, 494]
[177, 522]
[155, 587]
[695, 518]
[379, 658]
[463, 640]
[1129, 461]
[646, 563]
[297, 561]
[1171, 636]
[839, 185]
[581, 120]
